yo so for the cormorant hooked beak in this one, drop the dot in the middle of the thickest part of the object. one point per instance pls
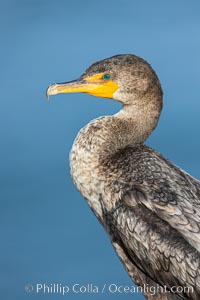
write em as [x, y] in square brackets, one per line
[73, 86]
[97, 85]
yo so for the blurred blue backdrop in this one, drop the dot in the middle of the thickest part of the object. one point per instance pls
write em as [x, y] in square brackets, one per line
[48, 233]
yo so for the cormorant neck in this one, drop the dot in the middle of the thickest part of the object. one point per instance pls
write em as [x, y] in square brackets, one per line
[132, 125]
[140, 119]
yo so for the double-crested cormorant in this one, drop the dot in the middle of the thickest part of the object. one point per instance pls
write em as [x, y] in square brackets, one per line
[149, 207]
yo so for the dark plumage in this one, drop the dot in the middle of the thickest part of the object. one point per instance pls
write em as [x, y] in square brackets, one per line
[149, 207]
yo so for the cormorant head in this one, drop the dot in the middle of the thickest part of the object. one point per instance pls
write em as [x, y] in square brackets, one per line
[124, 78]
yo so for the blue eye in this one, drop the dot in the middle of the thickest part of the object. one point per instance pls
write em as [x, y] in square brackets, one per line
[106, 76]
